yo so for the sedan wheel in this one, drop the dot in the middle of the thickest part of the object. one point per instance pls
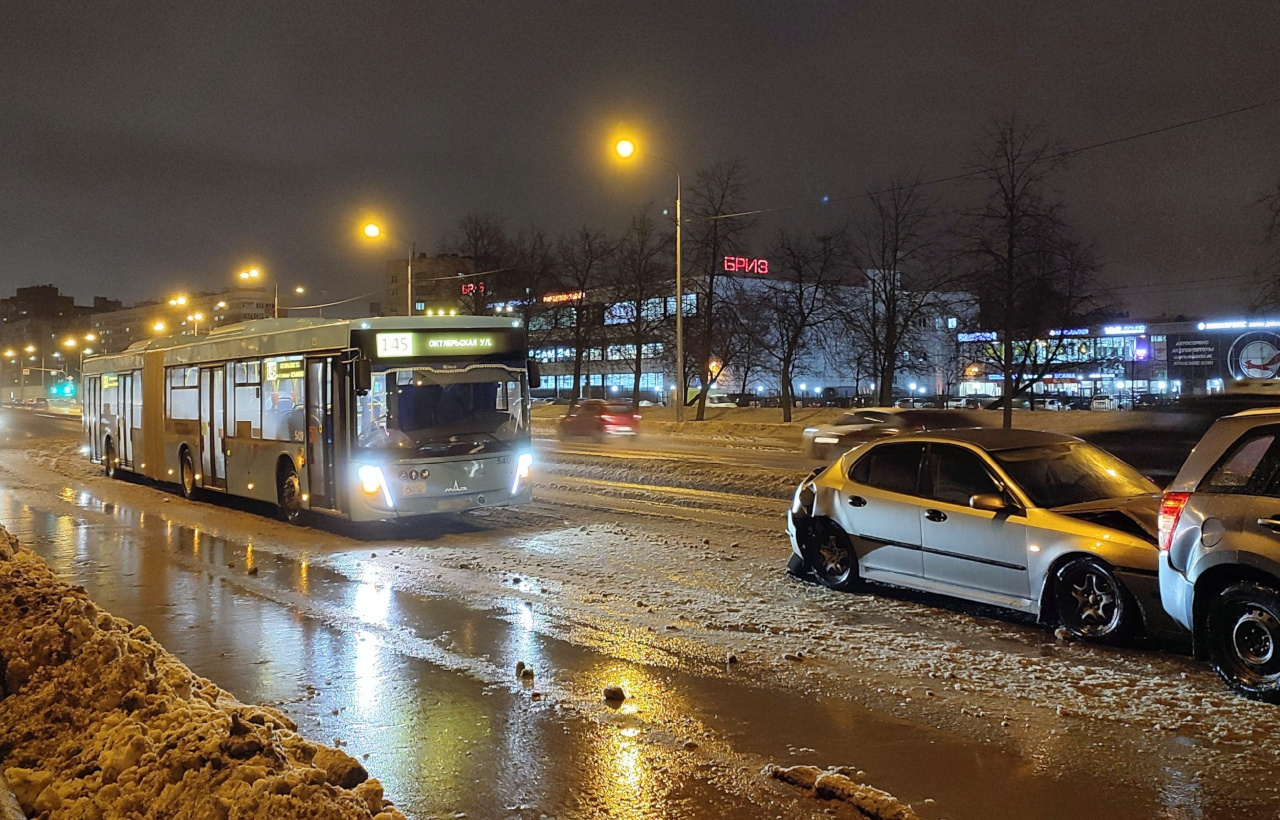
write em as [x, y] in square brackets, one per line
[832, 556]
[1092, 602]
[1244, 640]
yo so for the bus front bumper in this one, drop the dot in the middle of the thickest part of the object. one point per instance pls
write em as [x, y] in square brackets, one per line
[411, 507]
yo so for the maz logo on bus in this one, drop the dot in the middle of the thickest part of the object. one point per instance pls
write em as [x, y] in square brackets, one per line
[741, 264]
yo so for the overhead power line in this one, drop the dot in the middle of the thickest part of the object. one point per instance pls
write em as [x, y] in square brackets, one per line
[827, 200]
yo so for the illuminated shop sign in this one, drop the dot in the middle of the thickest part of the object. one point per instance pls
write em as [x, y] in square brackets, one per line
[472, 288]
[1069, 331]
[554, 298]
[980, 336]
[1239, 324]
[394, 345]
[1124, 330]
[741, 264]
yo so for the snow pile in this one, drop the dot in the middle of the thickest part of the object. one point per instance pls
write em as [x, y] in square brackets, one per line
[839, 784]
[98, 721]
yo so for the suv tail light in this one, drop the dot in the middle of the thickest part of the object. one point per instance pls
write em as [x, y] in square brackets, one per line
[1171, 507]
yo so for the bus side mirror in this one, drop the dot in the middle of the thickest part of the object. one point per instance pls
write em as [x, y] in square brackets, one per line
[362, 375]
[535, 375]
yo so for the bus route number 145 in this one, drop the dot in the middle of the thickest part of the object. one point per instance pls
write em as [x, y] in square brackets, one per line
[395, 344]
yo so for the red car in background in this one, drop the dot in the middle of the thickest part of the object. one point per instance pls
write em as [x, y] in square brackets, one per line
[598, 420]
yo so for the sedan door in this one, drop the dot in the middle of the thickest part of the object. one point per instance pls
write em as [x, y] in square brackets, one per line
[964, 547]
[880, 509]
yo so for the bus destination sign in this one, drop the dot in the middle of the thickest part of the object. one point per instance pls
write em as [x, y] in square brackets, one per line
[405, 344]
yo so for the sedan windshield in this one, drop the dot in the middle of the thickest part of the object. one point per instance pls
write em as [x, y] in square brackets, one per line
[1058, 475]
[443, 412]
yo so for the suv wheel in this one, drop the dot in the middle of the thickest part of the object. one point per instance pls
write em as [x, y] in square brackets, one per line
[1244, 640]
[1091, 601]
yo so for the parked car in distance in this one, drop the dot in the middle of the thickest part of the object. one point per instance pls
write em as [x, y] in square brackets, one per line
[1036, 522]
[1046, 404]
[1220, 551]
[860, 426]
[597, 420]
[1078, 403]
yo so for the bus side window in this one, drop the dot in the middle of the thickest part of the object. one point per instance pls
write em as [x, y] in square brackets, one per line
[248, 400]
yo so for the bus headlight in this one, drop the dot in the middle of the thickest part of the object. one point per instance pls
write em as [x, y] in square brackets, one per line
[523, 465]
[372, 481]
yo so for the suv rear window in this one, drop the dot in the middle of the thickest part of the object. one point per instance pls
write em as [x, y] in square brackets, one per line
[1245, 468]
[891, 467]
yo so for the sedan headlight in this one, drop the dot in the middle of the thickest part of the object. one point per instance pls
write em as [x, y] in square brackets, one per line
[802, 501]
[373, 481]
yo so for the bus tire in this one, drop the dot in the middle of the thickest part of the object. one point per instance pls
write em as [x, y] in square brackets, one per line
[186, 474]
[288, 493]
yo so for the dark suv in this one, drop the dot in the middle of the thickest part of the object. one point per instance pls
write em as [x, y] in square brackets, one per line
[1220, 551]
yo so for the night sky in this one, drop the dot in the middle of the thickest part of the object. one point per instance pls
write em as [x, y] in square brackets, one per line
[154, 147]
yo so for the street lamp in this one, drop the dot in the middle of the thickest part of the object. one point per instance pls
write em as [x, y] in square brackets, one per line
[625, 149]
[374, 231]
[254, 274]
[178, 301]
[197, 318]
[158, 327]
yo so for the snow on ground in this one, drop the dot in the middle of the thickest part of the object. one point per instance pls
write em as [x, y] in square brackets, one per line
[99, 721]
[679, 587]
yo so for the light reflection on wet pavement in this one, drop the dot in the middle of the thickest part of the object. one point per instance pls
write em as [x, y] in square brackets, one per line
[444, 741]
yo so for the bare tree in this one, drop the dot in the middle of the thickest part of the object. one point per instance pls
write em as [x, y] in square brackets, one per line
[896, 246]
[482, 237]
[798, 300]
[1027, 271]
[534, 271]
[714, 232]
[584, 258]
[1266, 276]
[640, 280]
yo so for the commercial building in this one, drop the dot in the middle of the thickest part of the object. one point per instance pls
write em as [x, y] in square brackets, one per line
[1129, 358]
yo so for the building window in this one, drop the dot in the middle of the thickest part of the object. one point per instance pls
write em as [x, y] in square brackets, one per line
[952, 322]
[419, 305]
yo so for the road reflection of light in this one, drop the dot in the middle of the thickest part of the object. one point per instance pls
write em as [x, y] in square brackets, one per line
[248, 555]
[368, 672]
[195, 541]
[373, 603]
[304, 577]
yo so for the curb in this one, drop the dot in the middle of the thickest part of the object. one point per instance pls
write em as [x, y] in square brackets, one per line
[9, 808]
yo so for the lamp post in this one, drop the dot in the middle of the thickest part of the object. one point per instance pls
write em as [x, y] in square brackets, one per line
[10, 355]
[253, 274]
[195, 318]
[373, 231]
[627, 149]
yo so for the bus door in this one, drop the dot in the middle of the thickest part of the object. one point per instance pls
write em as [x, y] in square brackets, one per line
[92, 413]
[320, 432]
[124, 420]
[213, 409]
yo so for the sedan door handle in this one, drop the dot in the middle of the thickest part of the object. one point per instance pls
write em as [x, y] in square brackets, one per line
[1272, 523]
[857, 501]
[935, 515]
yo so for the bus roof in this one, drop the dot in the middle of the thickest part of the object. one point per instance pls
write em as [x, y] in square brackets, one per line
[274, 337]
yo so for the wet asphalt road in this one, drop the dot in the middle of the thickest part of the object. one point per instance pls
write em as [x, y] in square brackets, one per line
[425, 687]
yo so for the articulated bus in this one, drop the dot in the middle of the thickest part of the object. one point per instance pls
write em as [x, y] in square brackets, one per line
[366, 419]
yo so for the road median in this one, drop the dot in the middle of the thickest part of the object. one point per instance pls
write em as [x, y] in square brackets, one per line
[98, 720]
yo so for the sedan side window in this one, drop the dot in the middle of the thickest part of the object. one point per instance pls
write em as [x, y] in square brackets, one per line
[891, 467]
[957, 474]
[1246, 468]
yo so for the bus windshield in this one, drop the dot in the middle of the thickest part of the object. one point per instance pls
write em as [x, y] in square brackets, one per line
[426, 411]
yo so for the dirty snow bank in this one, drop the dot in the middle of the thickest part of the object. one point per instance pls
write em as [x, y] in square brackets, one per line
[98, 721]
[842, 784]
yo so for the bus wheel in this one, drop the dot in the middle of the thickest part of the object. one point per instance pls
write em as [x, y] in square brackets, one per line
[109, 458]
[186, 474]
[289, 494]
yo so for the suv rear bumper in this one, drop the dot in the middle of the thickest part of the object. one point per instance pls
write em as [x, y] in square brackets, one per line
[1176, 594]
